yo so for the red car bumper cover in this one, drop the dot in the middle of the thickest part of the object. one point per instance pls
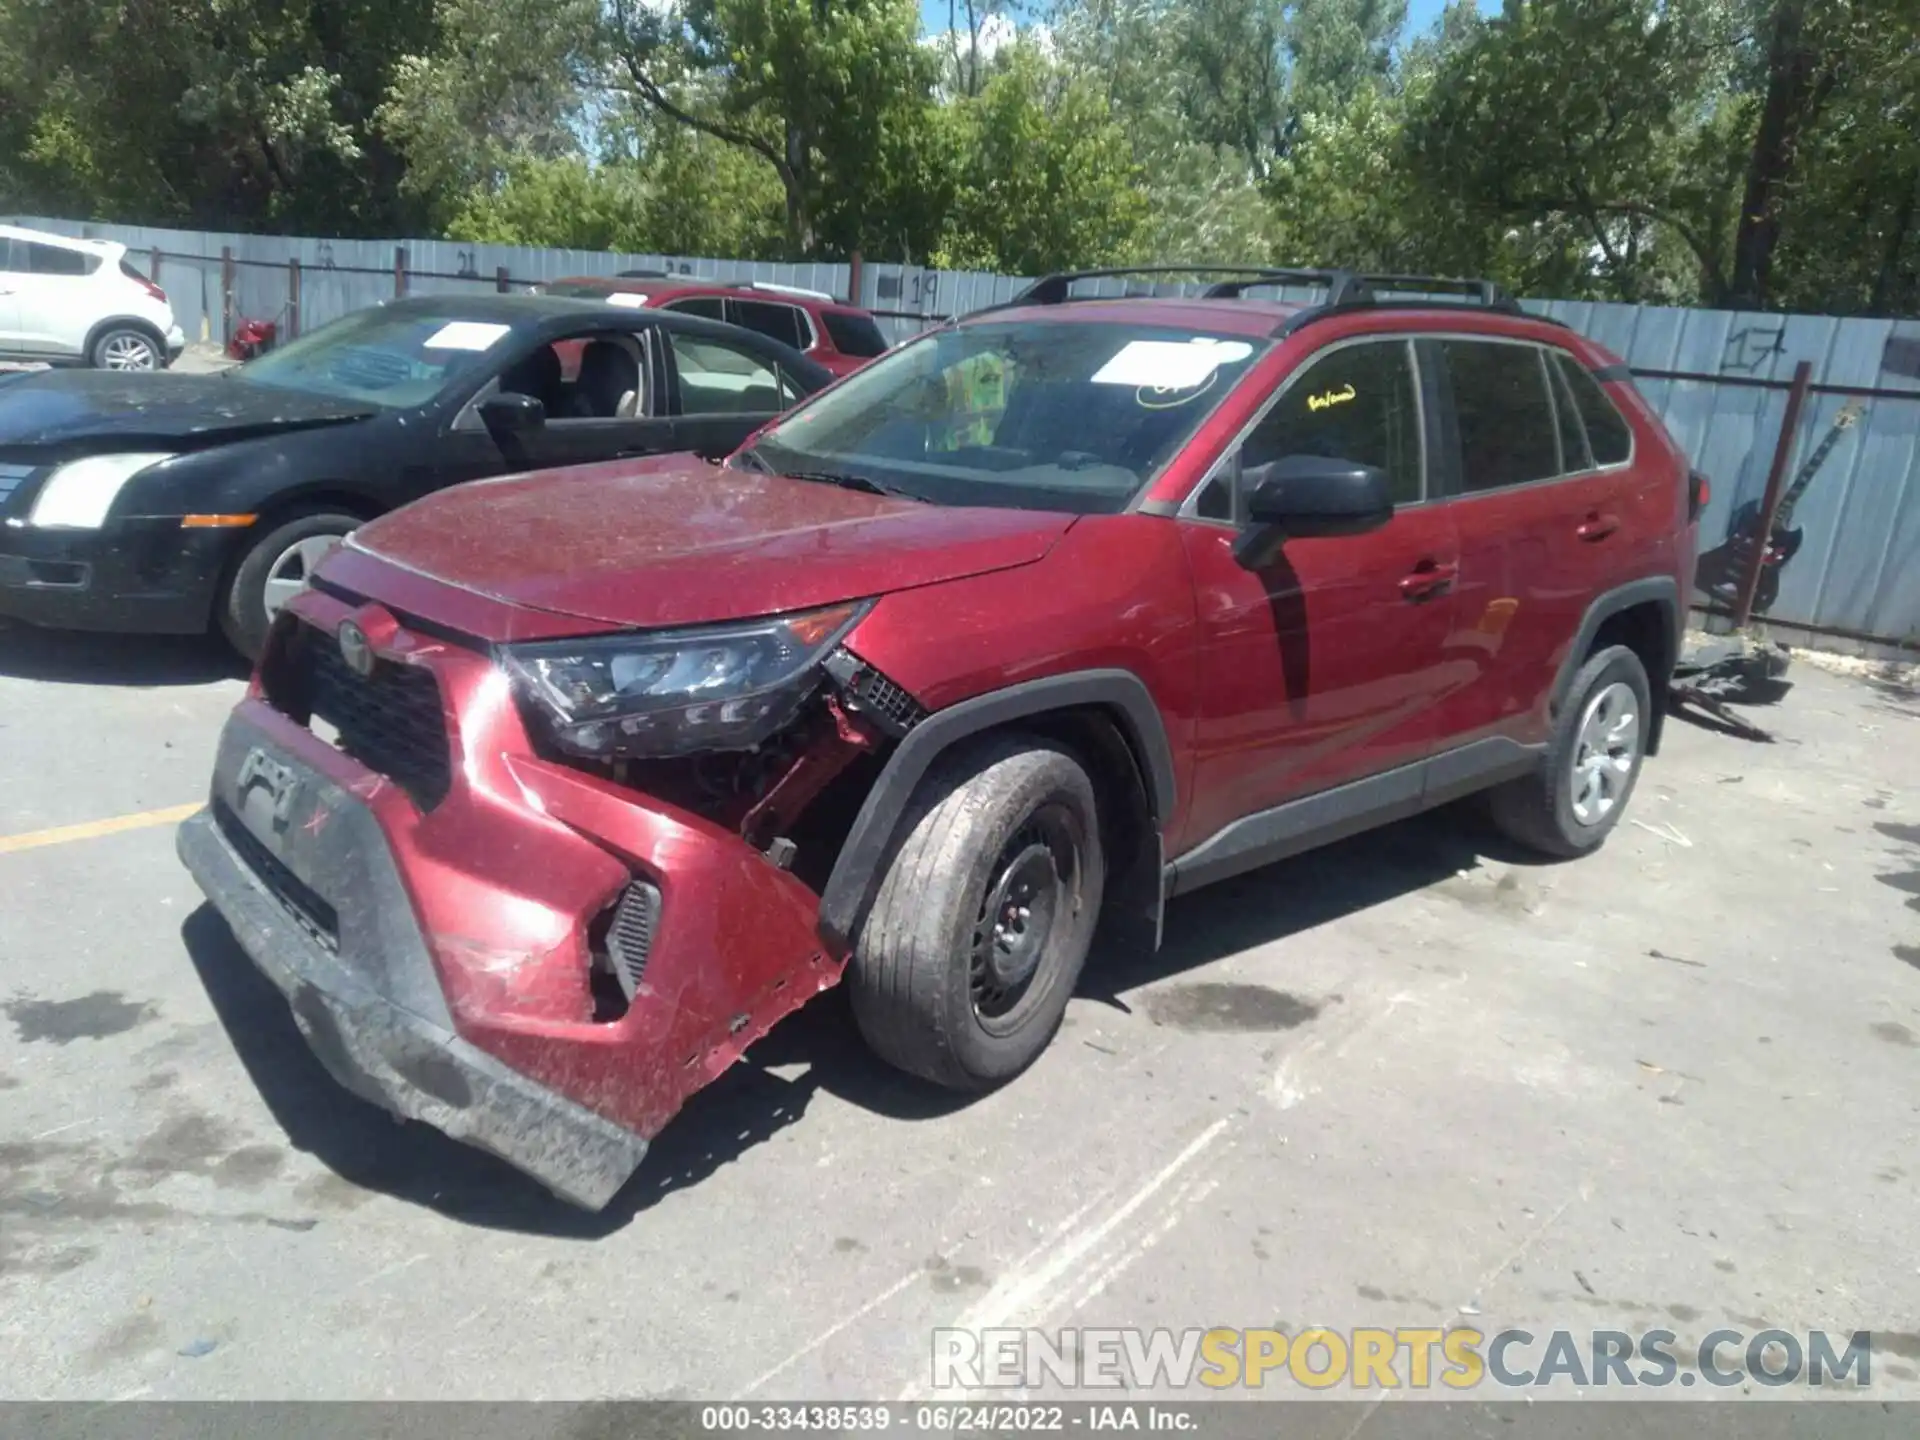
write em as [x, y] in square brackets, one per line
[454, 987]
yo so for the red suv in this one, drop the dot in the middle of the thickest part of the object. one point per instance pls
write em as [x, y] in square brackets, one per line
[840, 337]
[553, 793]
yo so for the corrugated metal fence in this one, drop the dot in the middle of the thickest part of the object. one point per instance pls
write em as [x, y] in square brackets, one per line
[1719, 378]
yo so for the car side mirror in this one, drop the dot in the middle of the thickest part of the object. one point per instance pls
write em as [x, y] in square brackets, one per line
[1299, 497]
[511, 413]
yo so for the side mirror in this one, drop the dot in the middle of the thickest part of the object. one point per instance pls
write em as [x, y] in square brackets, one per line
[1304, 496]
[511, 413]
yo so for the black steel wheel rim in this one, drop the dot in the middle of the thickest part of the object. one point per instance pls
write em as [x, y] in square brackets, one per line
[1029, 903]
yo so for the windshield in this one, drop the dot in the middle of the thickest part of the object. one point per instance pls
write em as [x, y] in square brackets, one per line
[395, 359]
[1044, 415]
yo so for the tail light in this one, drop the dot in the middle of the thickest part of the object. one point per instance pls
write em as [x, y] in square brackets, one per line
[154, 290]
[1698, 493]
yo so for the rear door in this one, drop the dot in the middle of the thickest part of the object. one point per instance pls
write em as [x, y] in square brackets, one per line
[13, 279]
[59, 301]
[1327, 663]
[1541, 526]
[721, 392]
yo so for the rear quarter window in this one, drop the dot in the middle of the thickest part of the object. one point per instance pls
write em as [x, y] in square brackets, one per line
[854, 335]
[1505, 417]
[1607, 431]
[58, 260]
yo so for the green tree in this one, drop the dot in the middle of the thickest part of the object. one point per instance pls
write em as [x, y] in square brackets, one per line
[1047, 178]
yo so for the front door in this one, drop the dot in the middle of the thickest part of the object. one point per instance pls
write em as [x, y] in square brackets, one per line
[1328, 662]
[597, 394]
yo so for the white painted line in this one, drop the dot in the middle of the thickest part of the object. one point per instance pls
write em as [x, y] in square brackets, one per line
[825, 1335]
[1023, 1289]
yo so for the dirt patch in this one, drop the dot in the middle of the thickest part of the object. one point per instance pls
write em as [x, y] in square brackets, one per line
[1229, 1008]
[88, 1017]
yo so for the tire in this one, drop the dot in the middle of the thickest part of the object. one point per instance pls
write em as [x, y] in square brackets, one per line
[127, 347]
[990, 821]
[1599, 741]
[283, 553]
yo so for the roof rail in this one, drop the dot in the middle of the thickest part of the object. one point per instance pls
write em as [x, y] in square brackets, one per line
[1056, 289]
[771, 288]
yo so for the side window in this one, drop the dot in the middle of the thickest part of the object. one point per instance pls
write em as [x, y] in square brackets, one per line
[13, 256]
[58, 260]
[1507, 433]
[777, 322]
[1607, 429]
[707, 307]
[608, 381]
[1358, 402]
[718, 379]
[854, 335]
[1574, 455]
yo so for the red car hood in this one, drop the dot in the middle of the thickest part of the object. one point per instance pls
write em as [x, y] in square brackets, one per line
[678, 541]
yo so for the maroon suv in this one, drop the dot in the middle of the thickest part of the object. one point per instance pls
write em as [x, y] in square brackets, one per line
[553, 793]
[839, 336]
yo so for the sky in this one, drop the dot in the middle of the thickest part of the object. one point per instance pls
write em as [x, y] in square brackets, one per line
[1420, 15]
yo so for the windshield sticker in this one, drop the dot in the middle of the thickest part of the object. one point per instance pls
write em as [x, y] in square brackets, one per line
[1331, 398]
[1169, 365]
[627, 301]
[466, 335]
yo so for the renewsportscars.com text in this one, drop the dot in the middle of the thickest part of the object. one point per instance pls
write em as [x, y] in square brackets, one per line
[1408, 1357]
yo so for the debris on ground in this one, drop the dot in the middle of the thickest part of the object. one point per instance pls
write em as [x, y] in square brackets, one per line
[1716, 672]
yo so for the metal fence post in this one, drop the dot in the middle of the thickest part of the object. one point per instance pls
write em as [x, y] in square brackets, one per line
[153, 269]
[226, 295]
[293, 297]
[853, 278]
[500, 280]
[1770, 501]
[399, 271]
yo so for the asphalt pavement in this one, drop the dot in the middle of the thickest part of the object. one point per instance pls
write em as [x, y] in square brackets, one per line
[1407, 1081]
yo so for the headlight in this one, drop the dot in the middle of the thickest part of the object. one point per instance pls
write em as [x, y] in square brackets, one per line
[78, 495]
[674, 692]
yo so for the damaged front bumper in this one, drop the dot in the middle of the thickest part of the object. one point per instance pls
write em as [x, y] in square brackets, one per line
[438, 942]
[384, 1053]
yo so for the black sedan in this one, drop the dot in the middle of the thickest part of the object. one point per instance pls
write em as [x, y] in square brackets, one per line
[171, 503]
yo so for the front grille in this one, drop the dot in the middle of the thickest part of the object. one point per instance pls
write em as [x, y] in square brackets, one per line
[303, 905]
[630, 936]
[11, 478]
[391, 721]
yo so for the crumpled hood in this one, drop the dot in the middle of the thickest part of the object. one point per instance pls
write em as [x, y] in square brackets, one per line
[81, 411]
[678, 541]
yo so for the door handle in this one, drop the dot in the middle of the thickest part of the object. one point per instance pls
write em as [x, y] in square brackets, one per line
[1428, 579]
[1597, 526]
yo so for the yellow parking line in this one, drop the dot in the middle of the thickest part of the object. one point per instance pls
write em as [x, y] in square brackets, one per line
[94, 829]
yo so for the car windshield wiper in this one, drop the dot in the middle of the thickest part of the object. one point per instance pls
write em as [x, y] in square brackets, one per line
[848, 481]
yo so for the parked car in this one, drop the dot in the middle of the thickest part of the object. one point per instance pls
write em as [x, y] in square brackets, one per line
[172, 503]
[839, 336]
[1043, 618]
[81, 302]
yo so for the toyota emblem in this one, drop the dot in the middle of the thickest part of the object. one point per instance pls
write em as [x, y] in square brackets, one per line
[356, 649]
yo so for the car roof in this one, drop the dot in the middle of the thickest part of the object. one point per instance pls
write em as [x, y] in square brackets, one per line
[552, 315]
[1236, 317]
[65, 242]
[687, 285]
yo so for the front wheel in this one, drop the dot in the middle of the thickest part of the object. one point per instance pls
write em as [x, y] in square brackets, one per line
[1569, 805]
[983, 919]
[273, 569]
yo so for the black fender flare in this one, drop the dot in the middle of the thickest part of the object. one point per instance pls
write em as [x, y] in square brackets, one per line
[1661, 590]
[856, 873]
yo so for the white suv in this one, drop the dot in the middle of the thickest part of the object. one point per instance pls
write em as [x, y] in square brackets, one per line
[79, 302]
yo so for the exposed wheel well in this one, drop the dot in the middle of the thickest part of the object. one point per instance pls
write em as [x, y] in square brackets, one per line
[1647, 630]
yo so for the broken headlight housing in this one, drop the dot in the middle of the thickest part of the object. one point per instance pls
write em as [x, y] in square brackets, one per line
[676, 692]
